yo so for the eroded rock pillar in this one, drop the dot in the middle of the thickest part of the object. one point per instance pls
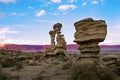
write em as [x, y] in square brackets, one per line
[52, 36]
[88, 34]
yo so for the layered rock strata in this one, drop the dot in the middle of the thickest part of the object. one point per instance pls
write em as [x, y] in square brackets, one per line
[88, 34]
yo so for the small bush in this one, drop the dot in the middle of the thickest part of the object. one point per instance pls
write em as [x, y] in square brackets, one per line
[18, 66]
[37, 57]
[8, 63]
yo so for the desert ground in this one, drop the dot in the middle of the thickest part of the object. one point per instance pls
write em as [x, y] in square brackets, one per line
[34, 66]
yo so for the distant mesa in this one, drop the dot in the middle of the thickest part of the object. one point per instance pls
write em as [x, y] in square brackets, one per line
[70, 47]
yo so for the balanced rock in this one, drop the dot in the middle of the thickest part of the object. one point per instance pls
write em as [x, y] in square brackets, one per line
[89, 33]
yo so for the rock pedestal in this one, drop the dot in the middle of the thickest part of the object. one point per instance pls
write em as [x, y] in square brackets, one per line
[88, 34]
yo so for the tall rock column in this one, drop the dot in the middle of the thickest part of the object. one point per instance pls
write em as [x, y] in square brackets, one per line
[88, 34]
[58, 43]
[52, 36]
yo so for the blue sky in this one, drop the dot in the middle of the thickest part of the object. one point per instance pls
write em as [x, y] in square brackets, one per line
[29, 21]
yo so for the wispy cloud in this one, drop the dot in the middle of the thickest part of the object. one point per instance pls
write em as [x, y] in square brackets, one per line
[47, 4]
[30, 7]
[8, 1]
[4, 31]
[72, 1]
[40, 13]
[66, 7]
[55, 13]
[84, 3]
[95, 2]
[4, 39]
[56, 1]
[13, 14]
[20, 41]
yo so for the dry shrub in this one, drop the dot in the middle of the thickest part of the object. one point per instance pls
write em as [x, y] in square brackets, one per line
[8, 63]
[18, 66]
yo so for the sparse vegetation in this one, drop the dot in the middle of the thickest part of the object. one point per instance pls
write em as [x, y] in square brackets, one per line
[55, 65]
[37, 57]
[18, 66]
[8, 63]
[6, 76]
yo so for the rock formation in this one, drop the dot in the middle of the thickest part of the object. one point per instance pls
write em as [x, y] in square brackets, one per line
[88, 34]
[57, 27]
[58, 47]
[52, 36]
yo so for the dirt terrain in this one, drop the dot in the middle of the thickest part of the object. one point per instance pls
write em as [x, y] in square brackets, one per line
[57, 69]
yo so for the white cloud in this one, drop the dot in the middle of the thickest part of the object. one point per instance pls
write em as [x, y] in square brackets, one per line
[56, 1]
[72, 1]
[19, 41]
[47, 4]
[64, 13]
[8, 1]
[95, 2]
[40, 13]
[84, 3]
[4, 39]
[13, 14]
[4, 31]
[66, 7]
[55, 13]
[30, 7]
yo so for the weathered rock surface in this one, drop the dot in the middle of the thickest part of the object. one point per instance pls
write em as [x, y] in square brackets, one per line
[52, 36]
[58, 43]
[89, 33]
[57, 27]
